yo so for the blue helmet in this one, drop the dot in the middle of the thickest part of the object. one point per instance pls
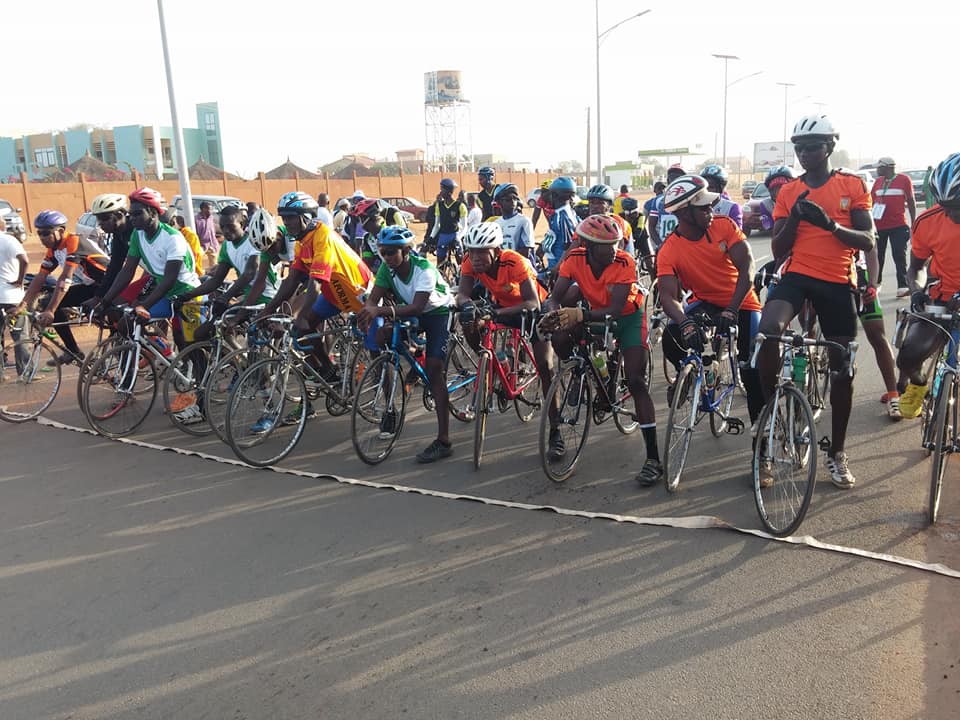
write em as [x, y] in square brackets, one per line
[629, 204]
[50, 219]
[563, 184]
[503, 187]
[716, 172]
[945, 181]
[297, 203]
[448, 184]
[486, 171]
[601, 192]
[395, 236]
[780, 171]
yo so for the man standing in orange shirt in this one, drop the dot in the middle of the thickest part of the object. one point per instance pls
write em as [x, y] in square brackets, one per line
[892, 195]
[821, 220]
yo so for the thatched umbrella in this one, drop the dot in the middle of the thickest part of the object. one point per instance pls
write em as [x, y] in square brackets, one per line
[289, 171]
[202, 170]
[94, 169]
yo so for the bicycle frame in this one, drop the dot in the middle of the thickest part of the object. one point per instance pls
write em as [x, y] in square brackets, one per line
[710, 399]
[506, 370]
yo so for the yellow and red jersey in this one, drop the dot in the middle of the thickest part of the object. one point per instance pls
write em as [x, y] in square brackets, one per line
[326, 257]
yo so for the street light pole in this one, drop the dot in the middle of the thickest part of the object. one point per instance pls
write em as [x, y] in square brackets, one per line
[786, 89]
[600, 36]
[726, 60]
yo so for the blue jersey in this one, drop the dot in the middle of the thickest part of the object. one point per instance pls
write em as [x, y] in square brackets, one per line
[666, 222]
[563, 223]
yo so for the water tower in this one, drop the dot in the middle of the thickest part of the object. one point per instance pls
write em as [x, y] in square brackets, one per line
[447, 122]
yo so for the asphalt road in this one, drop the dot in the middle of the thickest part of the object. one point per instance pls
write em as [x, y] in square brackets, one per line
[142, 583]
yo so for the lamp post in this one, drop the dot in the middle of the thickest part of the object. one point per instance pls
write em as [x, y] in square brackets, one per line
[726, 61]
[600, 36]
[786, 90]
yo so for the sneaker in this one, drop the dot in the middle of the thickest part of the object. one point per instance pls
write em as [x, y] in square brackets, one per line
[555, 446]
[263, 425]
[893, 408]
[435, 451]
[183, 401]
[765, 473]
[65, 359]
[911, 401]
[388, 425]
[903, 292]
[651, 473]
[293, 417]
[840, 474]
[190, 415]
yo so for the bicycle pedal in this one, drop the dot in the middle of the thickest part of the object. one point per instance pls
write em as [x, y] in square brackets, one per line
[735, 426]
[824, 444]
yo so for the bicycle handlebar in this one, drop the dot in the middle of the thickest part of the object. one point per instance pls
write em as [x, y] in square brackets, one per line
[799, 341]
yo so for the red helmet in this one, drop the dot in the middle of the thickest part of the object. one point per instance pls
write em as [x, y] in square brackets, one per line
[149, 197]
[601, 229]
[366, 208]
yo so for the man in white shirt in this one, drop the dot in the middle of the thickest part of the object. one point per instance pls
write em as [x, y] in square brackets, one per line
[13, 266]
[517, 228]
[474, 213]
[323, 212]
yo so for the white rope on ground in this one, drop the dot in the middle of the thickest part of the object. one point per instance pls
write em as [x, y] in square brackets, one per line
[693, 522]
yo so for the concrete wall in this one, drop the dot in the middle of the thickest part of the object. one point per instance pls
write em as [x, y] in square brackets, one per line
[128, 141]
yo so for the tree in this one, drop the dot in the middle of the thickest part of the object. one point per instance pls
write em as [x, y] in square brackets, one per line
[570, 167]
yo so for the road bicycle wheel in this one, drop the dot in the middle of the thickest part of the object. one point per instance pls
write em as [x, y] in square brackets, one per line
[785, 447]
[680, 424]
[343, 353]
[29, 380]
[572, 391]
[221, 379]
[183, 389]
[89, 359]
[379, 409]
[267, 412]
[943, 432]
[529, 389]
[725, 387]
[669, 369]
[461, 378]
[482, 408]
[623, 416]
[120, 390]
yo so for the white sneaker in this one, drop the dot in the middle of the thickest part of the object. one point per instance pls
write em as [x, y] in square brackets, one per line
[190, 415]
[840, 474]
[903, 292]
[893, 408]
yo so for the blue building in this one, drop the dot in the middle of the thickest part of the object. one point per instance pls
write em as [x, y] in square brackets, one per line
[144, 148]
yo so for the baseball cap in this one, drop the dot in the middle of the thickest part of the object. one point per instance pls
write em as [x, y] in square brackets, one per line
[887, 161]
[358, 195]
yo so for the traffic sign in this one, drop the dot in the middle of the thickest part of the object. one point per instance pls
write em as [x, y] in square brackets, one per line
[663, 151]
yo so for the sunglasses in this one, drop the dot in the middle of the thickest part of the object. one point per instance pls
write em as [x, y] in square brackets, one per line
[809, 147]
[46, 233]
[388, 251]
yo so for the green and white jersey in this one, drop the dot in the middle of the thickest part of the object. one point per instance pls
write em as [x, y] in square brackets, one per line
[237, 255]
[154, 253]
[424, 277]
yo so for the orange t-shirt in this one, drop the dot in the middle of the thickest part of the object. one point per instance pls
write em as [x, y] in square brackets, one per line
[512, 270]
[816, 252]
[625, 228]
[596, 290]
[936, 235]
[704, 266]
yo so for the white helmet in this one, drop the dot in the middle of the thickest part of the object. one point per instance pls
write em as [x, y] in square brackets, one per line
[816, 126]
[262, 230]
[109, 202]
[687, 190]
[483, 235]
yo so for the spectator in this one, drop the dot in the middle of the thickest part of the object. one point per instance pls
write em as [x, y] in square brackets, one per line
[892, 194]
[618, 201]
[13, 266]
[323, 212]
[252, 207]
[341, 215]
[207, 232]
[192, 240]
[927, 200]
[474, 213]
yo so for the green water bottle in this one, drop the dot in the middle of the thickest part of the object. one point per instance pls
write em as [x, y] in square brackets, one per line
[799, 370]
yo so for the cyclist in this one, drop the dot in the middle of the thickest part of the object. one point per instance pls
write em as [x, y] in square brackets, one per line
[516, 227]
[239, 254]
[618, 200]
[542, 205]
[707, 256]
[82, 268]
[486, 176]
[936, 241]
[606, 277]
[450, 220]
[661, 223]
[600, 201]
[110, 209]
[418, 291]
[562, 222]
[717, 179]
[776, 179]
[821, 220]
[371, 215]
[513, 287]
[164, 255]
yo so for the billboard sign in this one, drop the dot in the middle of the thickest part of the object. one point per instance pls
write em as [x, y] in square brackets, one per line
[442, 87]
[663, 152]
[770, 154]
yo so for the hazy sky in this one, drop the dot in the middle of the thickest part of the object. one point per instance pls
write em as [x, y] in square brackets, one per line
[316, 80]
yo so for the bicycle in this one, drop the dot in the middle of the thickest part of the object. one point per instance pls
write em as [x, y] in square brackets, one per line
[706, 385]
[785, 444]
[940, 426]
[269, 403]
[507, 368]
[589, 387]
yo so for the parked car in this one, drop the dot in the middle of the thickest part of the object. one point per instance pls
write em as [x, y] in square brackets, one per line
[917, 177]
[532, 197]
[217, 203]
[751, 209]
[411, 206]
[88, 227]
[14, 222]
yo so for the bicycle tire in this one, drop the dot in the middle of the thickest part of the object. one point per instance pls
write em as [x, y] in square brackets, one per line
[681, 421]
[623, 396]
[220, 383]
[91, 357]
[180, 380]
[783, 505]
[29, 387]
[481, 410]
[528, 400]
[461, 374]
[117, 397]
[343, 356]
[944, 434]
[572, 390]
[726, 386]
[267, 412]
[380, 390]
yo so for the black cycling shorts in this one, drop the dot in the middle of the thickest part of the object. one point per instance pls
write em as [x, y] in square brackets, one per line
[834, 302]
